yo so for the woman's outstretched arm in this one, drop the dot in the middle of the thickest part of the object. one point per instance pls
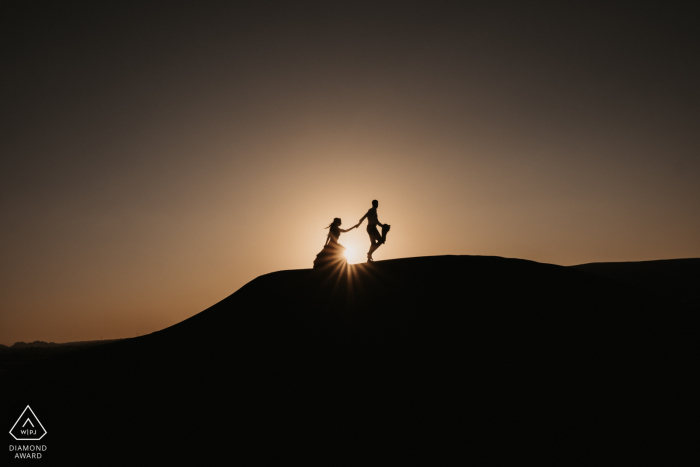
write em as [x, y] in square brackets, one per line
[348, 230]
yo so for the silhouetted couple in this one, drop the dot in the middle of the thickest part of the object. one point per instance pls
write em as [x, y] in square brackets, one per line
[334, 252]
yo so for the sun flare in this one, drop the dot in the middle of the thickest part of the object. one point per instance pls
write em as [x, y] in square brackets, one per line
[354, 249]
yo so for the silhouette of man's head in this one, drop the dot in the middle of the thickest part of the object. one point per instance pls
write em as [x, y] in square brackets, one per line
[375, 203]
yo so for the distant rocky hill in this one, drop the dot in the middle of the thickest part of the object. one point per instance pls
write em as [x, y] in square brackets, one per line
[22, 353]
[23, 345]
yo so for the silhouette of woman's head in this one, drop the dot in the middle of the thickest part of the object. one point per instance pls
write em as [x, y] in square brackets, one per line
[375, 203]
[336, 223]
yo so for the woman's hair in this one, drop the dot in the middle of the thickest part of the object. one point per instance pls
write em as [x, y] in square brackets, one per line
[336, 221]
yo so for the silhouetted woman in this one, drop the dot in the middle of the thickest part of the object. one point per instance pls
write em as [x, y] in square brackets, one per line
[333, 252]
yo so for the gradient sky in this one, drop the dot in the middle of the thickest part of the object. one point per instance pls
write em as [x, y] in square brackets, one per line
[157, 158]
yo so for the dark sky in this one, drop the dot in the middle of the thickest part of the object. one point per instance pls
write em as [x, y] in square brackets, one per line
[155, 157]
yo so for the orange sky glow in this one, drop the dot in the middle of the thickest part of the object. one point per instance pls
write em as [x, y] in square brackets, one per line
[145, 184]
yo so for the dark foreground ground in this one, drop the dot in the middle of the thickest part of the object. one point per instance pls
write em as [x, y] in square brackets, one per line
[427, 360]
[22, 353]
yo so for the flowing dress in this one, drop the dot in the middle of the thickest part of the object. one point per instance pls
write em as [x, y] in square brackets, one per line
[333, 254]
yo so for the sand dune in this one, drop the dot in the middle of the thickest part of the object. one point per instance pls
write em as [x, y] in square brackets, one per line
[422, 359]
[674, 278]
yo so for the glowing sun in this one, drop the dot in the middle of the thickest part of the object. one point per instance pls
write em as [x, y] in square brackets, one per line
[353, 249]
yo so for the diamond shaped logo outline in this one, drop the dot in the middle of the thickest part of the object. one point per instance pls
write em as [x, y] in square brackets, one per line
[35, 418]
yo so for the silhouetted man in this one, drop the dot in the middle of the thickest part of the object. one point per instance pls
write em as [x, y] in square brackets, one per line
[372, 222]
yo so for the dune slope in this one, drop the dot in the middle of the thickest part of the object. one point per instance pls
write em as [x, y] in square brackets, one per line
[452, 357]
[675, 278]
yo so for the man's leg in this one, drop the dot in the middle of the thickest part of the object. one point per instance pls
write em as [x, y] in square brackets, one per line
[376, 241]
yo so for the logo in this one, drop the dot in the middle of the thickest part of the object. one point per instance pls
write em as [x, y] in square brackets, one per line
[27, 427]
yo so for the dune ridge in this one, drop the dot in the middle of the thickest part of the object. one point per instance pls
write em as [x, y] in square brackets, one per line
[449, 358]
